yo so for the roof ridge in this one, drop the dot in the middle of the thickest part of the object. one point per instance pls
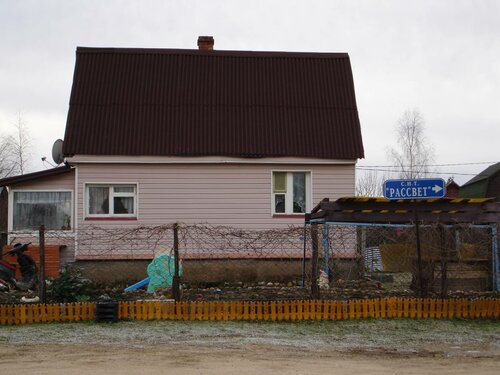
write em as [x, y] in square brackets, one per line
[211, 105]
[211, 53]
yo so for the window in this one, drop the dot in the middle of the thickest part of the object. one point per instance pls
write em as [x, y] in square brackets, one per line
[111, 200]
[30, 209]
[291, 192]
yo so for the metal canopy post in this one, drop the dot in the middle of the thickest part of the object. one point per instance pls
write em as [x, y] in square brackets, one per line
[494, 258]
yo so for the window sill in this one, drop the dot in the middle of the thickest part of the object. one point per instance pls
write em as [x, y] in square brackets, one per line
[111, 218]
[289, 216]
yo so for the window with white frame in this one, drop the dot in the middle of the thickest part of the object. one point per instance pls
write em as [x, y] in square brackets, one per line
[291, 192]
[118, 200]
[30, 209]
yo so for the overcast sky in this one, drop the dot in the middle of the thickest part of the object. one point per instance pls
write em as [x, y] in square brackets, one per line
[441, 57]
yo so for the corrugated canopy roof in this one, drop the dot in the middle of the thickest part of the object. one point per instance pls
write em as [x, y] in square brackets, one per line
[201, 103]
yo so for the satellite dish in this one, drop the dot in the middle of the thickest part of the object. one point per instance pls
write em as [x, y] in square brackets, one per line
[57, 153]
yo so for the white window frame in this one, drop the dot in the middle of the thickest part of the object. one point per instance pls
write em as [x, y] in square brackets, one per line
[289, 193]
[112, 195]
[10, 216]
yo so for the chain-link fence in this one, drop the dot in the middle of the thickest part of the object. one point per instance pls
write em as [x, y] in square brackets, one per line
[425, 260]
[341, 261]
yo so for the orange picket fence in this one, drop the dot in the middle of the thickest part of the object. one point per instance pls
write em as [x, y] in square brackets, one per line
[413, 308]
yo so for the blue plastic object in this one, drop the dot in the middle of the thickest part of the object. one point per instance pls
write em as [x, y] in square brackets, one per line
[138, 284]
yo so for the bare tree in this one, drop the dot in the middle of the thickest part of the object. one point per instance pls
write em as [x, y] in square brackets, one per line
[22, 144]
[15, 149]
[413, 155]
[370, 184]
[7, 164]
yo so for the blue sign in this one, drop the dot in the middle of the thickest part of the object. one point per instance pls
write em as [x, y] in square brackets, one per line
[415, 189]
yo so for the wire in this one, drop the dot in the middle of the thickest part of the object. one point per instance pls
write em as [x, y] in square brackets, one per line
[430, 165]
[421, 172]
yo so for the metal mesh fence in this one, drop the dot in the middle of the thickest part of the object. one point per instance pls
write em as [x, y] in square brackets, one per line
[353, 261]
[443, 260]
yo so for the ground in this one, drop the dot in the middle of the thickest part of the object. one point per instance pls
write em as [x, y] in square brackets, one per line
[345, 347]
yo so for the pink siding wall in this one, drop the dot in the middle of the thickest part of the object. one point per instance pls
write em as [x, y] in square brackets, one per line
[65, 181]
[237, 195]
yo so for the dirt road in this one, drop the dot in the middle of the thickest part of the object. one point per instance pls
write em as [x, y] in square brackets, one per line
[374, 347]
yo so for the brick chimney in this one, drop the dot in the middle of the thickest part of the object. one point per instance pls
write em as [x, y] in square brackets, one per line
[206, 43]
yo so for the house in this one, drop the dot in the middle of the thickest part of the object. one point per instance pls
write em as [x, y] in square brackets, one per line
[228, 138]
[44, 197]
[452, 188]
[485, 185]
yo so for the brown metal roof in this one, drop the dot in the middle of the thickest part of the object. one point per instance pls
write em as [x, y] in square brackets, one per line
[35, 175]
[199, 103]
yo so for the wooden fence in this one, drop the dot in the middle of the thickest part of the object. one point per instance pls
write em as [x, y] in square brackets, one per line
[414, 308]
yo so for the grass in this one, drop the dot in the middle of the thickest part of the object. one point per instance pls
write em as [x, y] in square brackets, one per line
[396, 335]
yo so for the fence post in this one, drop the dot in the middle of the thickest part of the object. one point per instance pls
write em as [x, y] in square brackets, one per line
[326, 246]
[362, 252]
[419, 257]
[41, 284]
[444, 262]
[314, 262]
[494, 258]
[175, 280]
[304, 256]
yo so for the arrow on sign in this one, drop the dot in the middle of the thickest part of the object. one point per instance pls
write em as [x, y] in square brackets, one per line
[436, 188]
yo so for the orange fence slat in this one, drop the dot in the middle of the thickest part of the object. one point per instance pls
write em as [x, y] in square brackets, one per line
[157, 308]
[259, 306]
[272, 307]
[77, 312]
[232, 310]
[151, 310]
[484, 309]
[326, 311]
[29, 313]
[3, 315]
[432, 308]
[312, 310]
[10, 314]
[196, 311]
[70, 312]
[376, 308]
[306, 310]
[300, 310]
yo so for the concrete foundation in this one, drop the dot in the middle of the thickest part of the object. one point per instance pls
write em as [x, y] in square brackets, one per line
[215, 271]
[198, 271]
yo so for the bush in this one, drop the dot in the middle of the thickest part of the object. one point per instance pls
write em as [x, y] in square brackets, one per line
[70, 286]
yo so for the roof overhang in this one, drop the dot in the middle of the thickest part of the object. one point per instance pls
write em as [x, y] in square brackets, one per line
[116, 159]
